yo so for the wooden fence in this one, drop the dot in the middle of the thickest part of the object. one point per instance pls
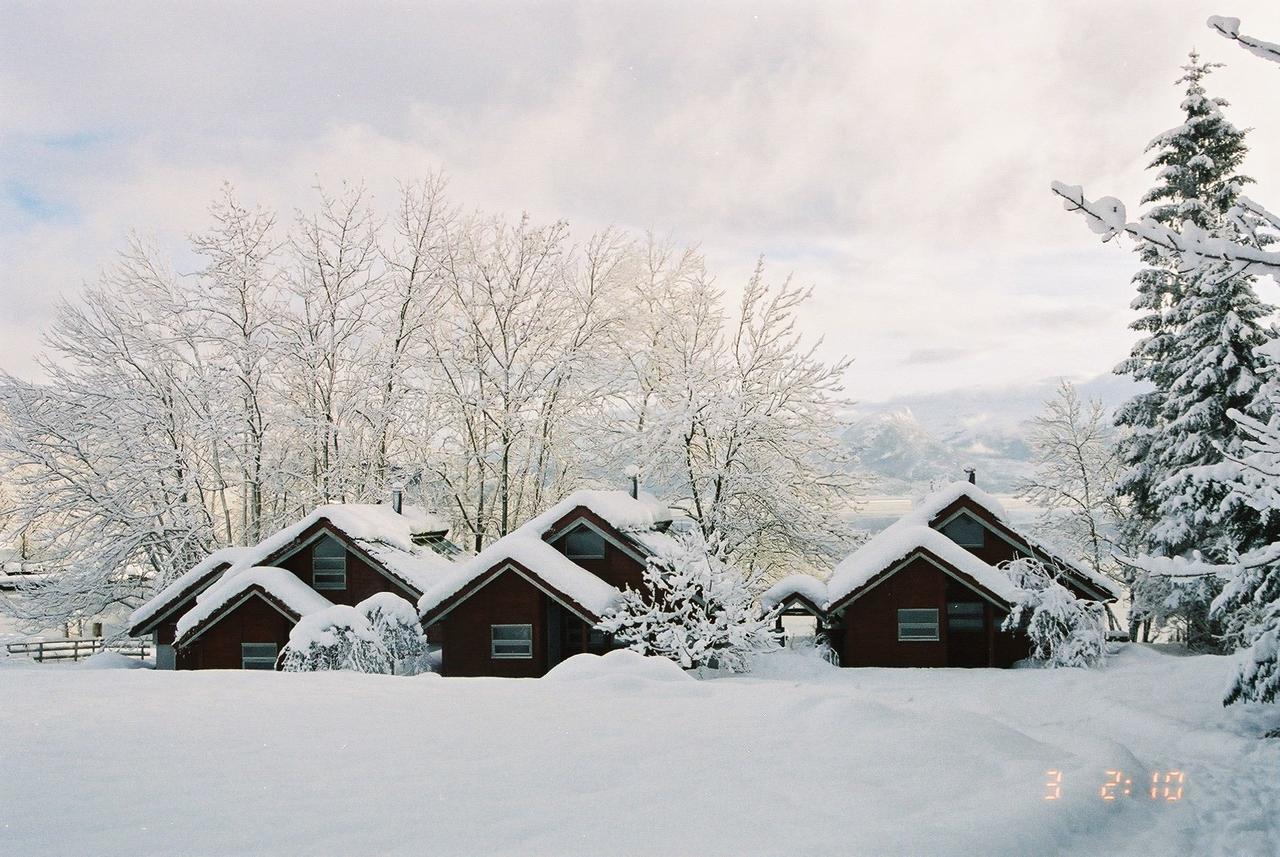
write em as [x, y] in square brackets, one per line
[75, 649]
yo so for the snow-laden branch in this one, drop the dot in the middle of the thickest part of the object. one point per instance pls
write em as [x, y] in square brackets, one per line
[1230, 28]
[1107, 217]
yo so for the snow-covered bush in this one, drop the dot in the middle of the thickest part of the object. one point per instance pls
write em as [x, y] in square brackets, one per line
[336, 638]
[395, 622]
[695, 610]
[1065, 631]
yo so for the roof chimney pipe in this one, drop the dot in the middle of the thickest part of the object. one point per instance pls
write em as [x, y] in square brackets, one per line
[634, 473]
[397, 499]
[973, 475]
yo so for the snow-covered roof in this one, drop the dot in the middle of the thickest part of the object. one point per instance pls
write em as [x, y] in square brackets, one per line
[282, 585]
[900, 540]
[552, 567]
[805, 585]
[928, 508]
[198, 575]
[622, 511]
[377, 529]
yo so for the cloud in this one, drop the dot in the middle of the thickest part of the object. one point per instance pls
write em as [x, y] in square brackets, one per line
[896, 158]
[934, 355]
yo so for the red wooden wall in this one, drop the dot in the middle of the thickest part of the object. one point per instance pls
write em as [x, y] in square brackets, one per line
[218, 648]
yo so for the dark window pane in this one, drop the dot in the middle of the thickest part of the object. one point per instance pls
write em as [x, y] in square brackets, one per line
[966, 532]
[584, 543]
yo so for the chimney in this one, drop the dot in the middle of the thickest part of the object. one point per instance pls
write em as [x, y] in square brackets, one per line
[634, 473]
[973, 475]
[397, 499]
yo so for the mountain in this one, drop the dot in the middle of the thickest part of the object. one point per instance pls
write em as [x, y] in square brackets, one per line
[912, 442]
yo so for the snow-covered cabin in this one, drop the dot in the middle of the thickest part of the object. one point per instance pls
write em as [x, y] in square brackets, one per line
[929, 590]
[533, 597]
[234, 609]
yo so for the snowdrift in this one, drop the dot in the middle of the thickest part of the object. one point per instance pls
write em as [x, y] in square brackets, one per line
[622, 663]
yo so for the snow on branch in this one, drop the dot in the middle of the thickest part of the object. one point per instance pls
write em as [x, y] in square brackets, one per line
[1230, 28]
[1107, 217]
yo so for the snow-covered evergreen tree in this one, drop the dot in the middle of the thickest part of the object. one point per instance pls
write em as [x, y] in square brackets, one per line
[336, 638]
[1201, 329]
[395, 622]
[695, 610]
[1064, 630]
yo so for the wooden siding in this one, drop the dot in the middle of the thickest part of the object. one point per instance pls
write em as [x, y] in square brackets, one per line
[997, 550]
[508, 599]
[218, 648]
[866, 632]
[616, 568]
[363, 579]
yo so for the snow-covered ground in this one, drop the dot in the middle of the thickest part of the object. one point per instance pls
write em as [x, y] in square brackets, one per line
[800, 759]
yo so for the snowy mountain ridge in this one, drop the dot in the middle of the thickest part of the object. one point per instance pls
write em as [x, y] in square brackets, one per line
[913, 442]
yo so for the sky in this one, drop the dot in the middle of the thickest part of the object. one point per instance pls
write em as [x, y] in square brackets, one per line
[894, 156]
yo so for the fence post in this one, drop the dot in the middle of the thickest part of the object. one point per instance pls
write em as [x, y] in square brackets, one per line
[40, 653]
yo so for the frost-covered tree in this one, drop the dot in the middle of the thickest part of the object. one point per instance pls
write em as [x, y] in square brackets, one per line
[1075, 468]
[395, 622]
[489, 366]
[734, 415]
[109, 460]
[336, 638]
[1065, 631]
[238, 301]
[693, 609]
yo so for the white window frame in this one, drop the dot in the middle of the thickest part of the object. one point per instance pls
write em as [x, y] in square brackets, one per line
[269, 663]
[918, 624]
[332, 583]
[494, 642]
[584, 529]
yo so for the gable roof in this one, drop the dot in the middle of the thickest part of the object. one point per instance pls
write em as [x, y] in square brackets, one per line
[384, 536]
[899, 543]
[946, 502]
[622, 511]
[180, 589]
[915, 534]
[374, 529]
[805, 588]
[277, 586]
[578, 589]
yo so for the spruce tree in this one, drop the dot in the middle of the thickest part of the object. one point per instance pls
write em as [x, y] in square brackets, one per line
[1200, 330]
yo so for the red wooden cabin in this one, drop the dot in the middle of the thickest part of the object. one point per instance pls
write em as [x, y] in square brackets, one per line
[929, 591]
[531, 599]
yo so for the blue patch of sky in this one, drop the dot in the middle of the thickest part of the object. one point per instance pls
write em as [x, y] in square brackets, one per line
[31, 204]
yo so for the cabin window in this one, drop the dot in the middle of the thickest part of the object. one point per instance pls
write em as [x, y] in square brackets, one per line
[966, 532]
[965, 616]
[511, 641]
[584, 543]
[258, 656]
[329, 564]
[916, 625]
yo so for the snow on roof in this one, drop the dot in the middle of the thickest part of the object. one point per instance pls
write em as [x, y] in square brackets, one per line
[805, 585]
[283, 585]
[927, 508]
[184, 582]
[553, 567]
[619, 508]
[901, 539]
[377, 529]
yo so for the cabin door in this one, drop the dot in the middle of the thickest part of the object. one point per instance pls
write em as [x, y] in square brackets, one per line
[967, 634]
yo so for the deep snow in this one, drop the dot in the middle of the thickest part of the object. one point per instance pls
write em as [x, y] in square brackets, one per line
[810, 760]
